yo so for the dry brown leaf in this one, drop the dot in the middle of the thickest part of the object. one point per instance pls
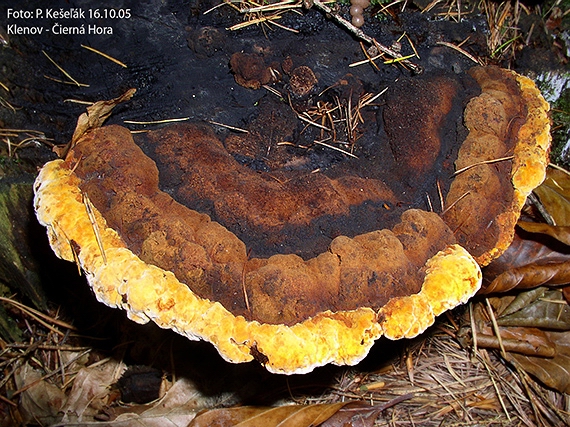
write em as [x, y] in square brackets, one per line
[528, 341]
[41, 401]
[282, 416]
[530, 276]
[534, 331]
[532, 342]
[359, 414]
[533, 259]
[176, 408]
[504, 306]
[549, 311]
[95, 116]
[554, 193]
[90, 390]
[342, 414]
[560, 233]
[526, 264]
[555, 372]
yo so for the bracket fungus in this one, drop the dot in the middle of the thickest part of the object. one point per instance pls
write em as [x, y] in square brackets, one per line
[173, 229]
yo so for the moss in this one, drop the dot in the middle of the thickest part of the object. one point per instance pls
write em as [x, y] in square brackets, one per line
[9, 330]
[555, 87]
[561, 129]
[18, 267]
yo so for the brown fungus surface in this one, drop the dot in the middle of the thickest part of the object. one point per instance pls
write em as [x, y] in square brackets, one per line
[250, 70]
[502, 159]
[164, 239]
[364, 270]
[302, 81]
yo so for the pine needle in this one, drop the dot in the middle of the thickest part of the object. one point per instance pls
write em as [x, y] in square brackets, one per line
[63, 71]
[104, 55]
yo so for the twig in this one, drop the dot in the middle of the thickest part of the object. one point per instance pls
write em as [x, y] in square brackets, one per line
[463, 52]
[399, 59]
[363, 36]
[38, 314]
[552, 165]
[6, 104]
[496, 387]
[440, 195]
[273, 90]
[252, 21]
[369, 59]
[429, 202]
[313, 123]
[291, 4]
[244, 290]
[64, 81]
[78, 101]
[496, 328]
[454, 397]
[12, 132]
[283, 27]
[9, 402]
[532, 198]
[33, 383]
[473, 328]
[455, 202]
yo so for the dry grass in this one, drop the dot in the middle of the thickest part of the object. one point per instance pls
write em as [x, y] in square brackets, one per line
[506, 37]
[504, 40]
[434, 382]
[445, 384]
[337, 122]
[265, 14]
[16, 139]
[45, 348]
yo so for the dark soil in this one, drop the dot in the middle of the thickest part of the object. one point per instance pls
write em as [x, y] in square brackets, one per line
[179, 70]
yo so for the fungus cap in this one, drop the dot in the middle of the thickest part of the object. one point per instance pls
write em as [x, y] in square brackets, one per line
[509, 137]
[161, 261]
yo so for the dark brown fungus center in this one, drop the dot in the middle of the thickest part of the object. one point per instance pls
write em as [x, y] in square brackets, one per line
[406, 164]
[299, 253]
